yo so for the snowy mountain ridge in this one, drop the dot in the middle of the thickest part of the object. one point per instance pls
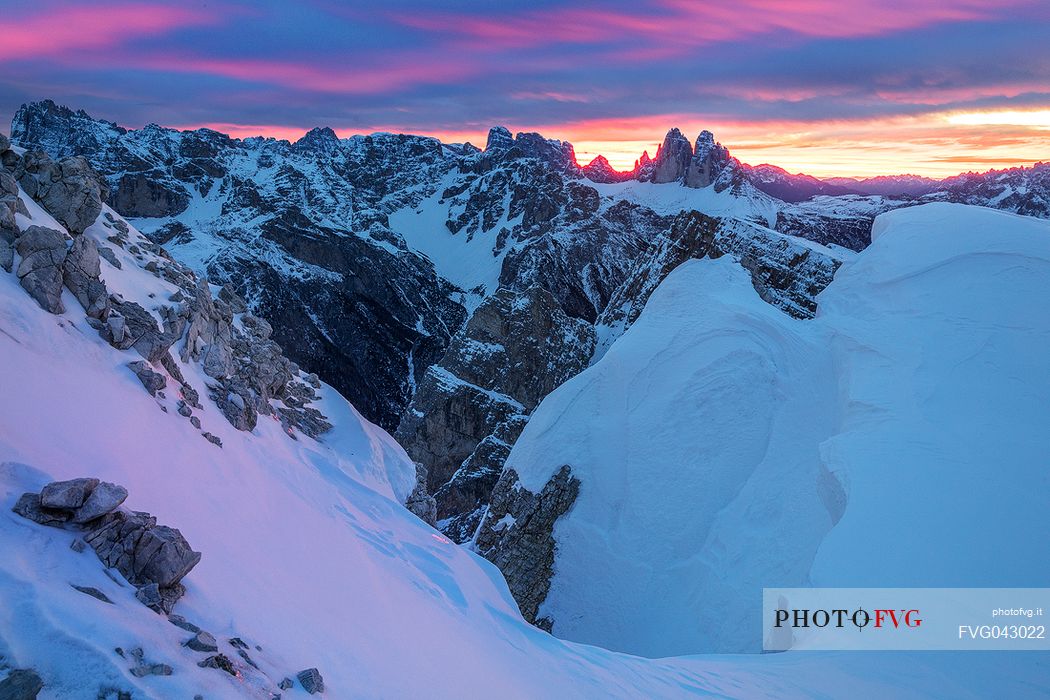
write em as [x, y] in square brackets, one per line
[447, 290]
[359, 589]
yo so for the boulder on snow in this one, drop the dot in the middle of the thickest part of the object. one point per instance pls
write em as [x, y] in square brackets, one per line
[141, 550]
[153, 381]
[105, 498]
[221, 662]
[29, 507]
[311, 680]
[202, 641]
[67, 495]
[43, 250]
[21, 684]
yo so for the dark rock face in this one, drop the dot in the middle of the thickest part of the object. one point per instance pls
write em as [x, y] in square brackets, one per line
[672, 158]
[708, 161]
[516, 536]
[1024, 191]
[599, 170]
[516, 348]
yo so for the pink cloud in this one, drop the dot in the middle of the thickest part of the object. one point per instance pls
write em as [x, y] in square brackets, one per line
[62, 31]
[403, 71]
[680, 24]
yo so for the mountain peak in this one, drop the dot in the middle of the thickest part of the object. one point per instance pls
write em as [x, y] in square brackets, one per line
[320, 138]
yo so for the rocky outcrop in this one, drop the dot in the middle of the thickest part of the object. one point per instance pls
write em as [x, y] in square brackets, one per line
[420, 502]
[516, 348]
[672, 158]
[153, 557]
[69, 190]
[517, 536]
[785, 273]
[21, 684]
[311, 680]
[708, 161]
[148, 194]
[599, 170]
[151, 381]
[81, 273]
[42, 251]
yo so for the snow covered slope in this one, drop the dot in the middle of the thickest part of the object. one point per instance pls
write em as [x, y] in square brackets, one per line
[308, 555]
[898, 439]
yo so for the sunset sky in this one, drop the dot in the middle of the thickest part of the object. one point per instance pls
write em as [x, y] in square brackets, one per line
[828, 87]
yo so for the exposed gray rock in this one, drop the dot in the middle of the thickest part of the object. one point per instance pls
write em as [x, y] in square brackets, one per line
[183, 623]
[285, 684]
[29, 507]
[21, 684]
[7, 256]
[148, 194]
[77, 545]
[524, 550]
[152, 381]
[311, 680]
[141, 550]
[68, 495]
[69, 190]
[137, 328]
[110, 257]
[202, 641]
[419, 501]
[230, 296]
[43, 250]
[672, 158]
[708, 161]
[516, 348]
[219, 661]
[105, 498]
[93, 592]
[213, 439]
[257, 327]
[5, 143]
[151, 670]
[81, 271]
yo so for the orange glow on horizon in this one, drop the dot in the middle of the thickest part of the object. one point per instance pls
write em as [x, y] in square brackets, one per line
[934, 145]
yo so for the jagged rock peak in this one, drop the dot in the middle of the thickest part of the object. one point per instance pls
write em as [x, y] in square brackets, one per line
[320, 138]
[499, 139]
[600, 170]
[672, 158]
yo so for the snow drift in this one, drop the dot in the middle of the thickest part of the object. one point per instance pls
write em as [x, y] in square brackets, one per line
[899, 439]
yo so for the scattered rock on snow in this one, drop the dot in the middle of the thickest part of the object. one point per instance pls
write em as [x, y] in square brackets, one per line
[21, 684]
[202, 641]
[183, 623]
[221, 662]
[93, 592]
[311, 680]
[153, 381]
